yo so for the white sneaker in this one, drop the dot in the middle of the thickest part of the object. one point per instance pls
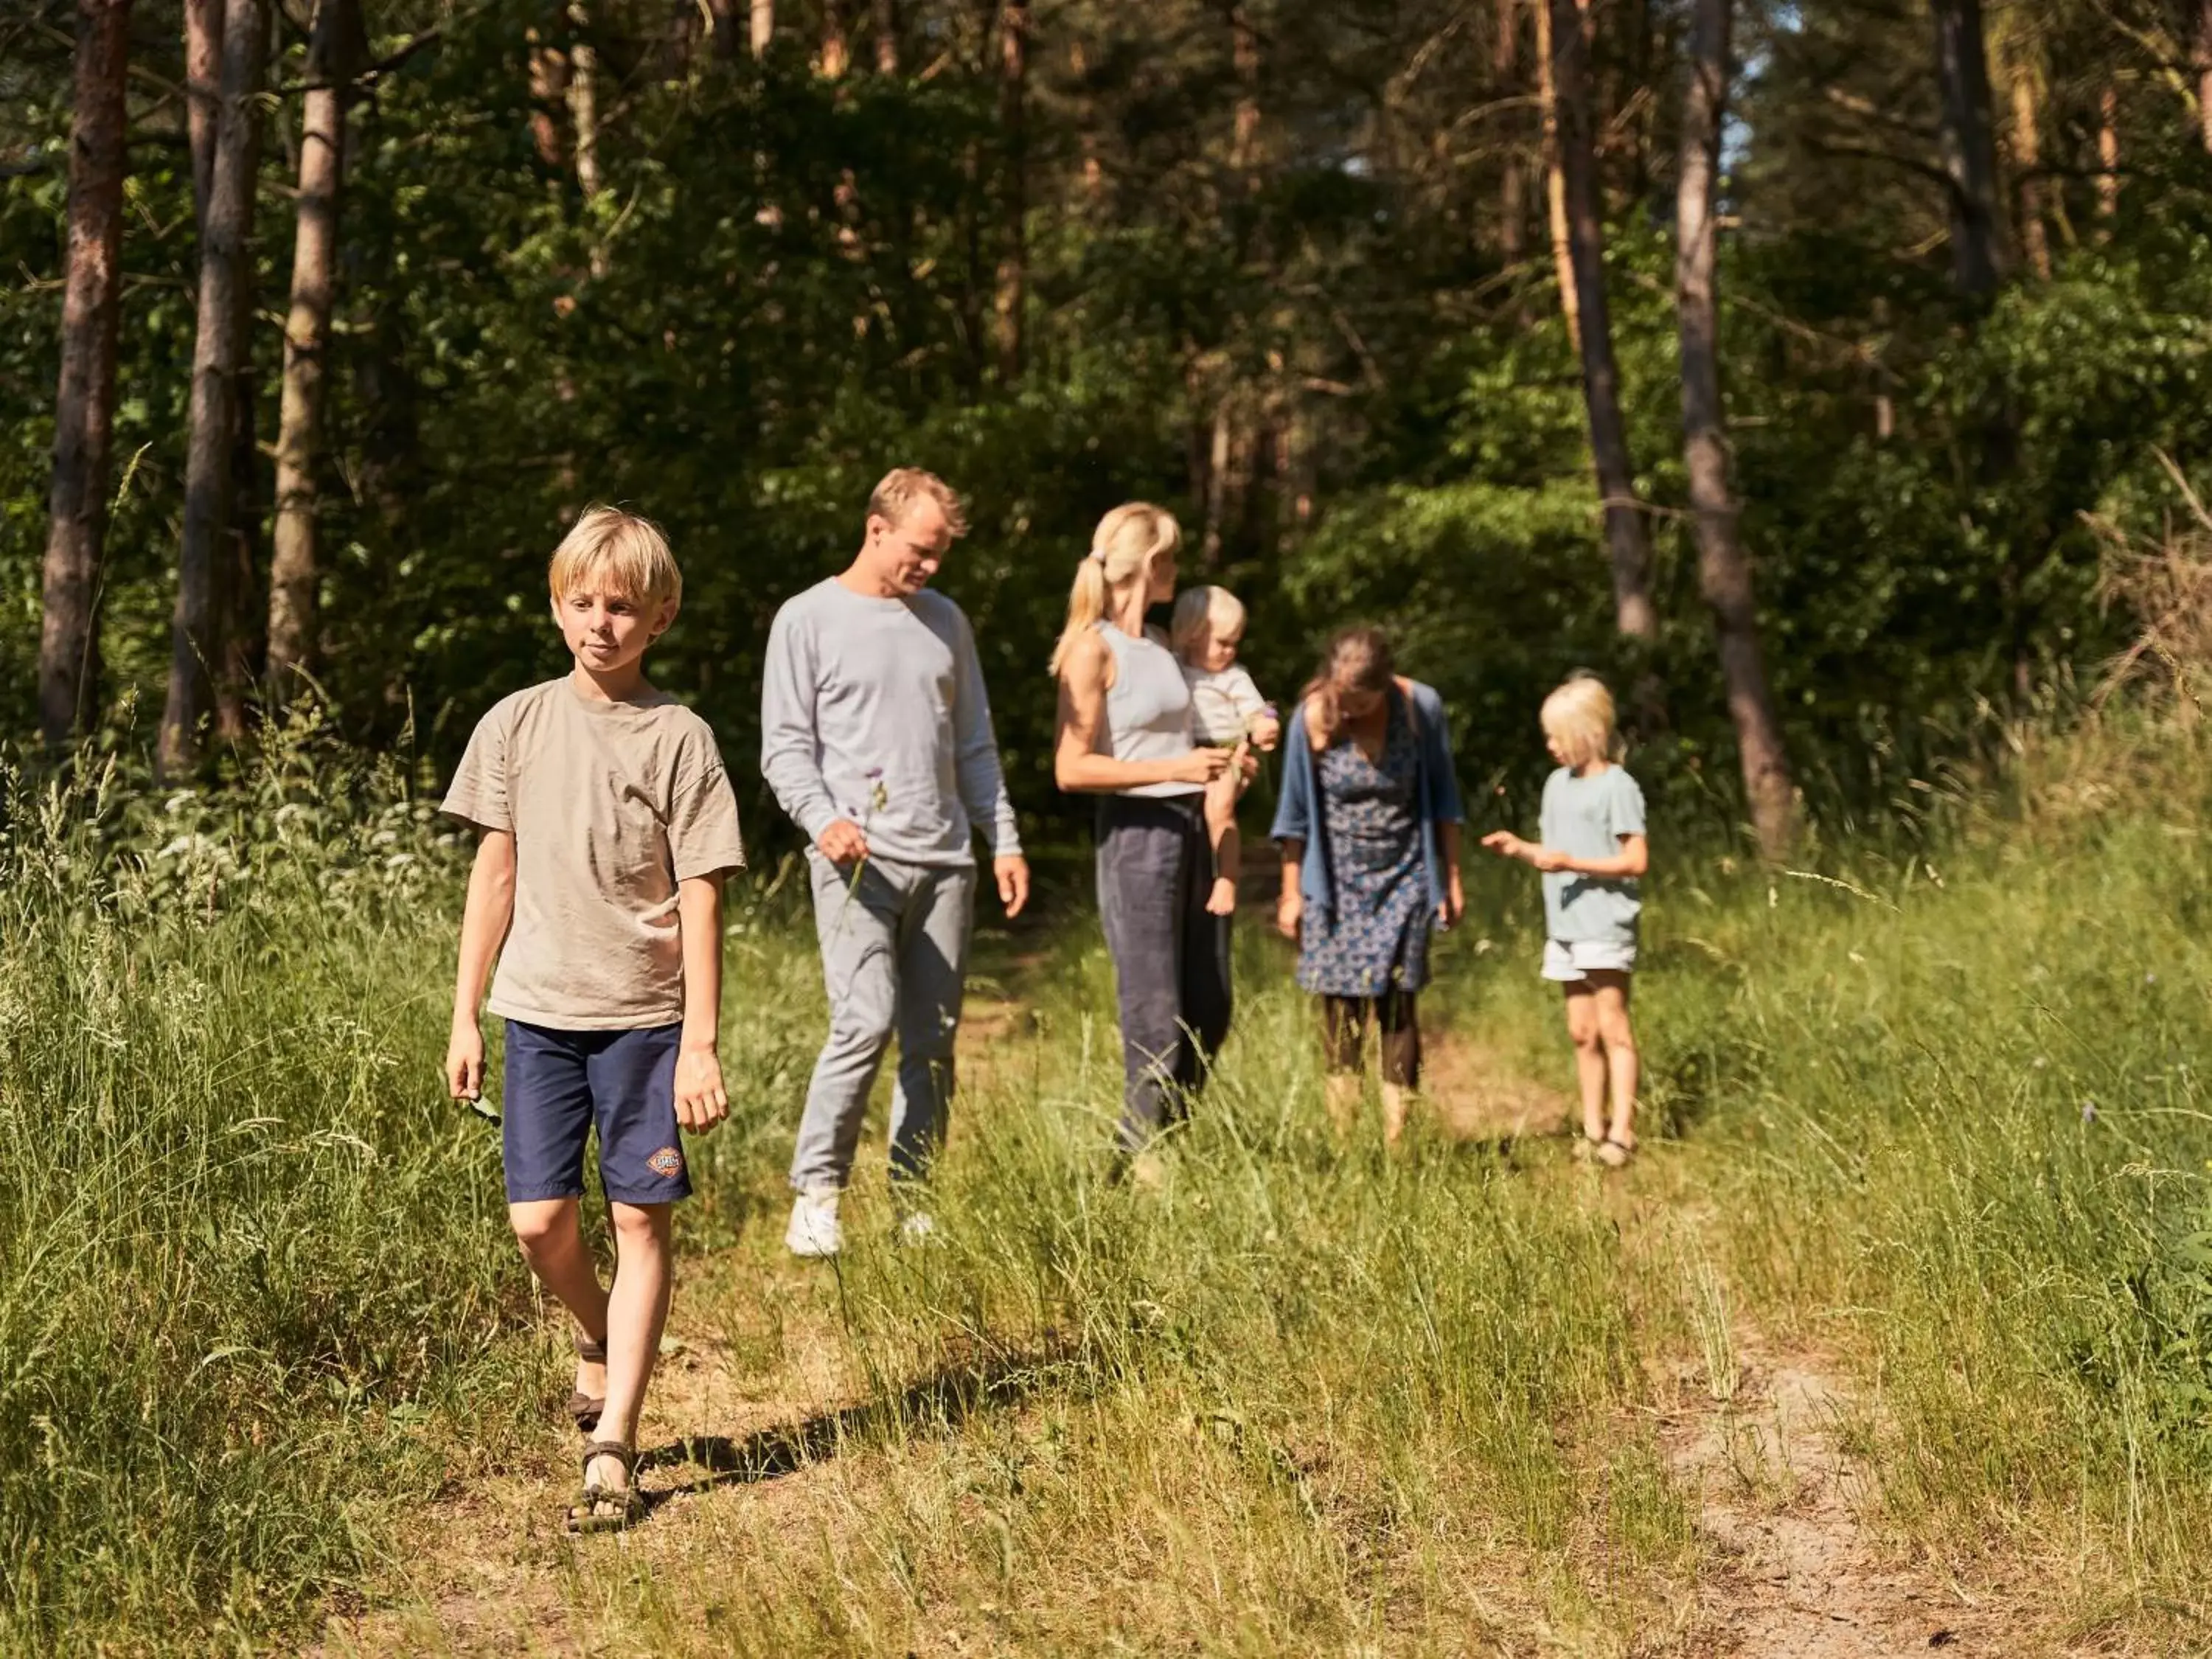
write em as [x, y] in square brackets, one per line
[814, 1232]
[917, 1229]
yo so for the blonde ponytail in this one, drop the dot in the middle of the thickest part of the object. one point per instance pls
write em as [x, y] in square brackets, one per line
[1086, 603]
[1122, 549]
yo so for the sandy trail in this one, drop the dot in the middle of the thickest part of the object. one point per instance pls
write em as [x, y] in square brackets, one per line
[1792, 1568]
[1787, 1565]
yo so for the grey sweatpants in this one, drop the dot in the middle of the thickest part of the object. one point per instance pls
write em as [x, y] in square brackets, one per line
[1171, 956]
[894, 953]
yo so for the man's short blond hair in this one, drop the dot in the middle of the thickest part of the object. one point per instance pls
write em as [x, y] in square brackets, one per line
[621, 551]
[1579, 717]
[902, 486]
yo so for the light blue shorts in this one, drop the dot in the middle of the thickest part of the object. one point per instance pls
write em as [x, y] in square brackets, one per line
[1570, 960]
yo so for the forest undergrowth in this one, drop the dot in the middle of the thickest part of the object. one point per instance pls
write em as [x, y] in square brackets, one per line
[270, 1371]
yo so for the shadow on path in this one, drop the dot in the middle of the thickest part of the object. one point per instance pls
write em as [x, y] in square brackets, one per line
[937, 1405]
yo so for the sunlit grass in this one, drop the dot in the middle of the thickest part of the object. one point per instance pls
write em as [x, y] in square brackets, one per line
[259, 1316]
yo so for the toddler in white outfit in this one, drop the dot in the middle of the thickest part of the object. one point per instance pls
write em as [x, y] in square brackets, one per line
[1226, 712]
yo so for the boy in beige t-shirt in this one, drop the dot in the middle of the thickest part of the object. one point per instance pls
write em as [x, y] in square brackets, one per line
[608, 825]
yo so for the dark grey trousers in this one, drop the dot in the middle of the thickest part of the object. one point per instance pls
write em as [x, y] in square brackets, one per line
[1170, 957]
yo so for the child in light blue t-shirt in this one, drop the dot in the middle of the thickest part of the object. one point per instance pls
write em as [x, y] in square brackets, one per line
[1593, 851]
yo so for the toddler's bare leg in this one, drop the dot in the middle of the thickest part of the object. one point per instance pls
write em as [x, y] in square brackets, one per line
[1221, 835]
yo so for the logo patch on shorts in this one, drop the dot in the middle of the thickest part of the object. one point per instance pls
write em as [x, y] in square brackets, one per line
[667, 1163]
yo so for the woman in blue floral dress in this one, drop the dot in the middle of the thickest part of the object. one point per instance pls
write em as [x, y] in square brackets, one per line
[1369, 824]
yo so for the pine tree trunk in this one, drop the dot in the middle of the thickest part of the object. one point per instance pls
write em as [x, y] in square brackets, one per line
[763, 25]
[1244, 130]
[1217, 483]
[887, 37]
[2201, 58]
[295, 568]
[1970, 160]
[1634, 615]
[240, 613]
[584, 107]
[202, 96]
[231, 601]
[1555, 184]
[84, 404]
[1010, 293]
[1504, 88]
[2028, 154]
[2108, 157]
[224, 277]
[1724, 565]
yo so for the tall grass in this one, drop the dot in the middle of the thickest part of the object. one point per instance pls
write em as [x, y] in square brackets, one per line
[246, 1256]
[1295, 1394]
[1953, 1112]
[1937, 1122]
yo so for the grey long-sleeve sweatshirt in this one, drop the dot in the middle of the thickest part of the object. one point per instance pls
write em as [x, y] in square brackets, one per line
[874, 710]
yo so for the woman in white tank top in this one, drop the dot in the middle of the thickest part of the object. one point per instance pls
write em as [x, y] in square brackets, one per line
[1125, 735]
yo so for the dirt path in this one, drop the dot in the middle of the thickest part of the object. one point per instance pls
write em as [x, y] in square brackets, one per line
[1480, 1093]
[756, 1372]
[1792, 1567]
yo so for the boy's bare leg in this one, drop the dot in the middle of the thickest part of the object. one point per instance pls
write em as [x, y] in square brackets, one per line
[637, 1312]
[550, 1231]
[1589, 1054]
[1618, 1036]
[1221, 835]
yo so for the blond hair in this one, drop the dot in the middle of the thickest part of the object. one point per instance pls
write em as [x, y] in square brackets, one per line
[1123, 547]
[1579, 717]
[1358, 659]
[894, 494]
[1202, 612]
[626, 552]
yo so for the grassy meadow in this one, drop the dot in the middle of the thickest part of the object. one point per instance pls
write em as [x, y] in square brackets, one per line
[272, 1374]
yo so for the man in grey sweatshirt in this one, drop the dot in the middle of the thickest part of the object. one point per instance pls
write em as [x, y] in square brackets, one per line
[876, 737]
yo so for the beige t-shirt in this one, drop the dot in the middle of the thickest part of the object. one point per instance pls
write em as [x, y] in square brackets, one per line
[611, 805]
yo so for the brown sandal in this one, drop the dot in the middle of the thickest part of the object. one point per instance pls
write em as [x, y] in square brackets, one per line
[603, 1509]
[583, 1410]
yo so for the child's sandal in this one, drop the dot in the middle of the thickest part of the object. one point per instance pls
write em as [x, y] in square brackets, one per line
[583, 1410]
[604, 1509]
[1614, 1154]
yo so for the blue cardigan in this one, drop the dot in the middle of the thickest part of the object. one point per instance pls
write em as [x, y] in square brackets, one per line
[1299, 815]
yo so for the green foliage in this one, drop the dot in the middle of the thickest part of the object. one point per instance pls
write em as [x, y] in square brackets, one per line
[783, 285]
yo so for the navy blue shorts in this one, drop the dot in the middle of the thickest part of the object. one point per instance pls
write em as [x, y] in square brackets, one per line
[562, 1084]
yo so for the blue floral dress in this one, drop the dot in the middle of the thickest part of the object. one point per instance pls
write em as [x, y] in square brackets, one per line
[1378, 939]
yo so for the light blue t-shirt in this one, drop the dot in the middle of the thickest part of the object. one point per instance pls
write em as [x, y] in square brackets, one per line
[1587, 816]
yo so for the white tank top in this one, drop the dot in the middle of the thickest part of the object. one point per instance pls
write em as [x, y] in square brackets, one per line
[1147, 708]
